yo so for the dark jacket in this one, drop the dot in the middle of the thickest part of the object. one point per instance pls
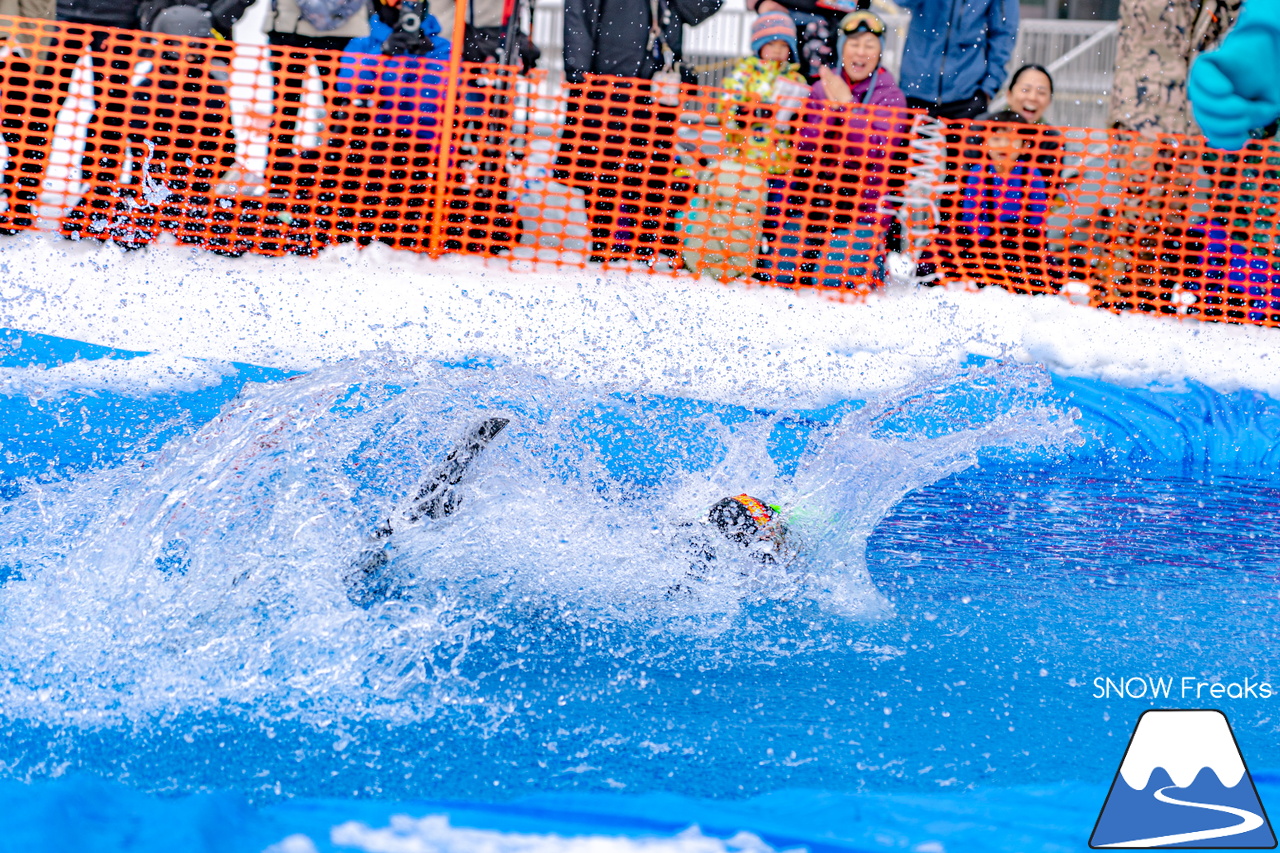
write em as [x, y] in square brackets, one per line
[612, 36]
[107, 13]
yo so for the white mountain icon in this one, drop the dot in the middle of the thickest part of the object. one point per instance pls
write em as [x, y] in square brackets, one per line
[1182, 783]
[1183, 743]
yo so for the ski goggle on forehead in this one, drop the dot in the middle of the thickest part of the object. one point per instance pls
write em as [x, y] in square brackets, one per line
[862, 22]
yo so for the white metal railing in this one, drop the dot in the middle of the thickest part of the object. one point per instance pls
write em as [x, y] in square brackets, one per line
[1081, 57]
[1042, 41]
[1079, 54]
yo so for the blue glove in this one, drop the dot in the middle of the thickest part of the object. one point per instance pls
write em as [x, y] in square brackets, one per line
[1236, 88]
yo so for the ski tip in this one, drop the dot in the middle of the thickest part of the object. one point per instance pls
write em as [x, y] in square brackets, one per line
[490, 427]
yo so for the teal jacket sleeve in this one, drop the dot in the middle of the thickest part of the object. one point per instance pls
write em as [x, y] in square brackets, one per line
[1236, 88]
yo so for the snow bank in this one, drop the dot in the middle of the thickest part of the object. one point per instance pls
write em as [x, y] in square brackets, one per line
[751, 345]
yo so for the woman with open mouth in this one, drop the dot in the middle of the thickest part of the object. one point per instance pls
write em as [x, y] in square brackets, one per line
[855, 118]
[860, 79]
[1031, 93]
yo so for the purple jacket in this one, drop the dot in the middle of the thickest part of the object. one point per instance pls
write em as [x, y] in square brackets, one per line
[823, 116]
[851, 138]
[887, 93]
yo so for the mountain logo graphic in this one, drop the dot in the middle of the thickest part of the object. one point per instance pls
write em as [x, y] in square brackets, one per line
[1182, 783]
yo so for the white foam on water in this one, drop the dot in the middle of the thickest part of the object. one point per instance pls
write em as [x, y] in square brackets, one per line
[212, 571]
[435, 834]
[759, 346]
[138, 377]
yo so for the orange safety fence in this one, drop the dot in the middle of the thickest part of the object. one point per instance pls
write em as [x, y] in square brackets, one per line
[125, 136]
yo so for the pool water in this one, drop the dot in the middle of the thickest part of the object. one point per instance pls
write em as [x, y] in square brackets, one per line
[977, 549]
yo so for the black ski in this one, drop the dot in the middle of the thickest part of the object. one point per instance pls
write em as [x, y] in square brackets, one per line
[370, 579]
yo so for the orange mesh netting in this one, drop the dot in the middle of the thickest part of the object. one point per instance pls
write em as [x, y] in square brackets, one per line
[125, 136]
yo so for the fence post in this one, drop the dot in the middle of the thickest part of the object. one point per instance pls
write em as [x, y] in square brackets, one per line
[435, 244]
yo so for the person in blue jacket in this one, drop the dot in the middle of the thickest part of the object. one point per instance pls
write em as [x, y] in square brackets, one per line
[996, 219]
[390, 105]
[1002, 194]
[395, 85]
[1236, 88]
[956, 53]
[405, 91]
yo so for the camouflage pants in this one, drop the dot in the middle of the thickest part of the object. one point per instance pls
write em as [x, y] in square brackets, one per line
[1158, 41]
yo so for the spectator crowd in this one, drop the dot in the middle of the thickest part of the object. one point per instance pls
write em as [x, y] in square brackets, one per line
[792, 176]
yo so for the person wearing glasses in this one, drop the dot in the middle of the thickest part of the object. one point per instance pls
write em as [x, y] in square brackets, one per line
[956, 53]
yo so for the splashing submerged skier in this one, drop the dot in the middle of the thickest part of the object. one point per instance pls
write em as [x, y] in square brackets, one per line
[736, 527]
[753, 524]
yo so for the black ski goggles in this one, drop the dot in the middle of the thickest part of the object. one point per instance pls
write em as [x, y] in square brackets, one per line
[862, 22]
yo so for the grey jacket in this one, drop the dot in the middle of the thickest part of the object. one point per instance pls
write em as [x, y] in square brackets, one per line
[284, 16]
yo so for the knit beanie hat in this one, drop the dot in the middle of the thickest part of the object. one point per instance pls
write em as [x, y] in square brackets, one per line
[773, 26]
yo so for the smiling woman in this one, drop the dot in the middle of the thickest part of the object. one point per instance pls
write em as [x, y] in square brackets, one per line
[846, 127]
[1031, 93]
[861, 78]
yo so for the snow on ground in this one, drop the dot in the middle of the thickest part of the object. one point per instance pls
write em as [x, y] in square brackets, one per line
[753, 345]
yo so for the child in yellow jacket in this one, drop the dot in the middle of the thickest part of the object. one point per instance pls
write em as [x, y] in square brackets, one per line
[723, 227]
[764, 93]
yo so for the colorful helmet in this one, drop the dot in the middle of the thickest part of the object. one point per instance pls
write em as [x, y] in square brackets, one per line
[747, 520]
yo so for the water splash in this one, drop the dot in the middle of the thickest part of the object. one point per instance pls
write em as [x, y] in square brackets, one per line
[210, 577]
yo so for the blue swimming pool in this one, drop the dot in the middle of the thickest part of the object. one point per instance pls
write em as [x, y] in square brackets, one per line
[180, 667]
